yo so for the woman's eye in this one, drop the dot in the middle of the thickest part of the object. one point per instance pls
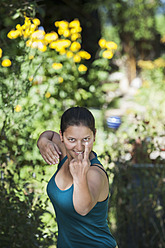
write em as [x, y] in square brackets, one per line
[86, 139]
[71, 140]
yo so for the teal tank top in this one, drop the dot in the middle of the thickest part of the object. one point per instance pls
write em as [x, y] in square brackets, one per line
[74, 230]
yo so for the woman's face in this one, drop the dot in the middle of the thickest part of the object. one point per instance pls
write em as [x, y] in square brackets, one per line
[75, 137]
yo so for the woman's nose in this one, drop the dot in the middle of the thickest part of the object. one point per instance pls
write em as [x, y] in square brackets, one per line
[79, 146]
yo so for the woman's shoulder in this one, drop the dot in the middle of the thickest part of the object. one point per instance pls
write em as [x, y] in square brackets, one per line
[97, 165]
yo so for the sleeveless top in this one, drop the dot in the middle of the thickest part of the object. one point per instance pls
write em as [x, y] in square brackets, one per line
[74, 230]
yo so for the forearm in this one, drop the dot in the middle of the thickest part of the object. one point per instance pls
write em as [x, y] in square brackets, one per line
[47, 135]
[82, 198]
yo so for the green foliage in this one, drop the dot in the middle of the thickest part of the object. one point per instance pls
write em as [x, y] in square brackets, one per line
[38, 82]
[136, 25]
[33, 95]
[128, 17]
[140, 138]
[21, 221]
[160, 20]
[138, 204]
[137, 151]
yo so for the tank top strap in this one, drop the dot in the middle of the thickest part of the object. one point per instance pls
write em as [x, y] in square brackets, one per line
[62, 162]
[95, 160]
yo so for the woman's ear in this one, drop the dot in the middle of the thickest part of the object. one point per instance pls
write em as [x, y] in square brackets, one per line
[61, 136]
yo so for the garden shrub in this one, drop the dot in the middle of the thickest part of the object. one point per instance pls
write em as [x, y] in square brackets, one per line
[137, 150]
[41, 75]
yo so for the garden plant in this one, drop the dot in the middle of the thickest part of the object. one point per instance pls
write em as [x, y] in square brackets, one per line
[137, 150]
[41, 74]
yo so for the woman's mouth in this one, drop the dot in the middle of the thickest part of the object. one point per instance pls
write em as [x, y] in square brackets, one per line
[78, 153]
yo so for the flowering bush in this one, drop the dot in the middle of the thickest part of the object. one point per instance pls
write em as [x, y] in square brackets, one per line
[41, 75]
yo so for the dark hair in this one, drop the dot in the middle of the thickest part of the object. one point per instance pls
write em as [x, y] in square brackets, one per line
[77, 116]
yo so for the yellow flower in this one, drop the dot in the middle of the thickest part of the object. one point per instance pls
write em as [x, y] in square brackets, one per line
[66, 33]
[29, 43]
[69, 54]
[35, 44]
[60, 31]
[108, 54]
[18, 108]
[38, 44]
[27, 22]
[6, 63]
[82, 68]
[77, 58]
[56, 23]
[75, 36]
[60, 44]
[160, 62]
[42, 48]
[31, 78]
[75, 46]
[76, 30]
[84, 55]
[111, 45]
[0, 52]
[27, 33]
[60, 80]
[36, 21]
[149, 65]
[57, 66]
[53, 45]
[62, 51]
[65, 43]
[13, 34]
[163, 39]
[49, 37]
[39, 34]
[47, 95]
[31, 29]
[102, 43]
[31, 57]
[62, 24]
[18, 27]
[74, 24]
[23, 27]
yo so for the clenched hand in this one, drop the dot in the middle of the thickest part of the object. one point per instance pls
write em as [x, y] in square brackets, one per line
[79, 166]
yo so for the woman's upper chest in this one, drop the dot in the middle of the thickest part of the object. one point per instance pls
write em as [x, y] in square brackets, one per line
[63, 177]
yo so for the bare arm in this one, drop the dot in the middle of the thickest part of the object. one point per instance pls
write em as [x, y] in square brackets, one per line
[50, 146]
[90, 183]
[87, 191]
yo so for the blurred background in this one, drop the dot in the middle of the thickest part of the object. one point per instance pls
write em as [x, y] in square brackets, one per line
[105, 55]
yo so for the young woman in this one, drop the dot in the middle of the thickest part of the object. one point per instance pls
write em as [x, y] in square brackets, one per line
[79, 189]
